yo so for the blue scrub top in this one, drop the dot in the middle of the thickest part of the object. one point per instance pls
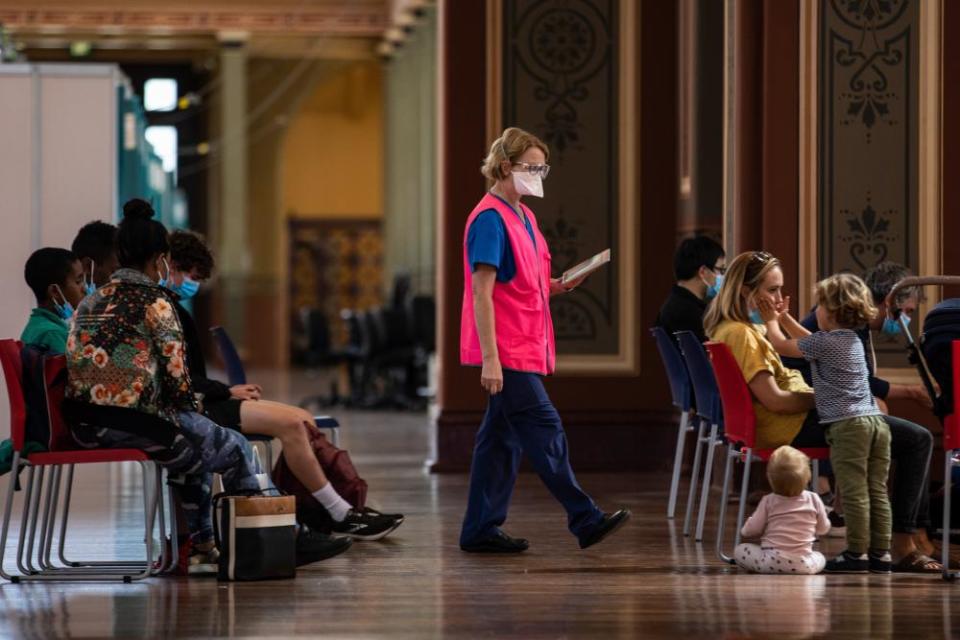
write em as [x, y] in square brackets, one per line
[487, 242]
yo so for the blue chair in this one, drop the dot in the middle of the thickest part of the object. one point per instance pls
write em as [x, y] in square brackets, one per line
[680, 390]
[710, 412]
[236, 374]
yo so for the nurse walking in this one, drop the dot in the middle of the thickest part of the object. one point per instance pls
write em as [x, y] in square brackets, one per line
[506, 330]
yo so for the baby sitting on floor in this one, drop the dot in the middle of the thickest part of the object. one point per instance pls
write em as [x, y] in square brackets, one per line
[787, 520]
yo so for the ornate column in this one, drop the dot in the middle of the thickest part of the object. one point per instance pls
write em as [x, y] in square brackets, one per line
[233, 252]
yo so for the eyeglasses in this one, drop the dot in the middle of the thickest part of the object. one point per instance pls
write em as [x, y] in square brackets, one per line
[720, 270]
[542, 170]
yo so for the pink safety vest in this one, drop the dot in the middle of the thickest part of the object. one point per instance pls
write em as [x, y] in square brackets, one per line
[521, 306]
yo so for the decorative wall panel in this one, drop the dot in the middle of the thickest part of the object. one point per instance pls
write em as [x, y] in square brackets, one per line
[334, 265]
[560, 80]
[868, 71]
[868, 144]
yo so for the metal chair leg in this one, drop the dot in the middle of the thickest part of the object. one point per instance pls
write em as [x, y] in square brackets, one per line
[707, 475]
[150, 510]
[67, 493]
[694, 478]
[50, 520]
[174, 558]
[948, 575]
[677, 463]
[34, 516]
[25, 518]
[724, 496]
[815, 476]
[7, 512]
[744, 488]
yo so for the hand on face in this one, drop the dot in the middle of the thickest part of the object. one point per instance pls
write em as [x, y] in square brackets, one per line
[771, 310]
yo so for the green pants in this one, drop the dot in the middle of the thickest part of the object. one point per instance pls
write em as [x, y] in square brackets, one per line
[860, 456]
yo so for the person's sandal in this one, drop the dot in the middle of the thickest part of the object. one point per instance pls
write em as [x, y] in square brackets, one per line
[916, 562]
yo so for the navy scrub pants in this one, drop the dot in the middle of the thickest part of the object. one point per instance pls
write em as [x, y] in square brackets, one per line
[521, 418]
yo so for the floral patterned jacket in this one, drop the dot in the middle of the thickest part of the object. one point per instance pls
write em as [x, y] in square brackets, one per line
[126, 349]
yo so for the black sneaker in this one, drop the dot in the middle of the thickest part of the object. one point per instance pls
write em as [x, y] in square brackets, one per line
[498, 542]
[313, 546]
[848, 562]
[881, 561]
[361, 525]
[610, 523]
[396, 517]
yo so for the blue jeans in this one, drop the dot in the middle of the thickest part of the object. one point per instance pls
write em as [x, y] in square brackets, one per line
[521, 419]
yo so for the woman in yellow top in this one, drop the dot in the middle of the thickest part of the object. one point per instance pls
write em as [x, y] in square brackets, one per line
[783, 402]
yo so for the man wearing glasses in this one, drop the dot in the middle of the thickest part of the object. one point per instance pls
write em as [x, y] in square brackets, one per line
[698, 266]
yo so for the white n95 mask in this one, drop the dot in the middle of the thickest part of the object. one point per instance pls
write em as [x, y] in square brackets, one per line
[528, 184]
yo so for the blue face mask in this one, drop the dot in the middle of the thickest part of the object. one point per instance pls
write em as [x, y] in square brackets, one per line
[164, 280]
[755, 317]
[65, 310]
[713, 290]
[892, 327]
[186, 289]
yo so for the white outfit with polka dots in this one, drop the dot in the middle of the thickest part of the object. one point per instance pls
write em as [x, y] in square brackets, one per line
[755, 558]
[788, 527]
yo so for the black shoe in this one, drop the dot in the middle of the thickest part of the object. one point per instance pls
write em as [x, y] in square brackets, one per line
[610, 523]
[313, 546]
[396, 517]
[498, 542]
[361, 525]
[880, 561]
[848, 562]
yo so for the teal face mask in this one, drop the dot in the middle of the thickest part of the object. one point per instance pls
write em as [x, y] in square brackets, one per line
[186, 289]
[892, 327]
[65, 310]
[713, 290]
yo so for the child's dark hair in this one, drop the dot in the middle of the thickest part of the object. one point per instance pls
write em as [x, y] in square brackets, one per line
[96, 240]
[190, 253]
[45, 267]
[140, 237]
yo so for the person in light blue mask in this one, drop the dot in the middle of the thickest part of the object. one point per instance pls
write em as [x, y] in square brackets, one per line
[698, 266]
[242, 408]
[56, 279]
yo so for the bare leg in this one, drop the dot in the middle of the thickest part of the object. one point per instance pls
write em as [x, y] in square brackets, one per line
[286, 422]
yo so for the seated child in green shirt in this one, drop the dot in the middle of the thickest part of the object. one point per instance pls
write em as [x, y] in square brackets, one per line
[56, 278]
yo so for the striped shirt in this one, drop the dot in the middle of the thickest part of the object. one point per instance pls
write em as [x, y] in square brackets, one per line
[841, 387]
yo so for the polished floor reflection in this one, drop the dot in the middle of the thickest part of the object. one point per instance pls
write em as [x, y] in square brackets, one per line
[647, 581]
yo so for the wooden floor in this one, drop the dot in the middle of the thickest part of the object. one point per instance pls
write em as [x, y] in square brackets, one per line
[646, 581]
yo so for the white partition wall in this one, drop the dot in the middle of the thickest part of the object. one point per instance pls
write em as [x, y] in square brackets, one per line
[58, 169]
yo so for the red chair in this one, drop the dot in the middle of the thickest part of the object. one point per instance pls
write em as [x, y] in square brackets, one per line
[740, 429]
[36, 466]
[951, 442]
